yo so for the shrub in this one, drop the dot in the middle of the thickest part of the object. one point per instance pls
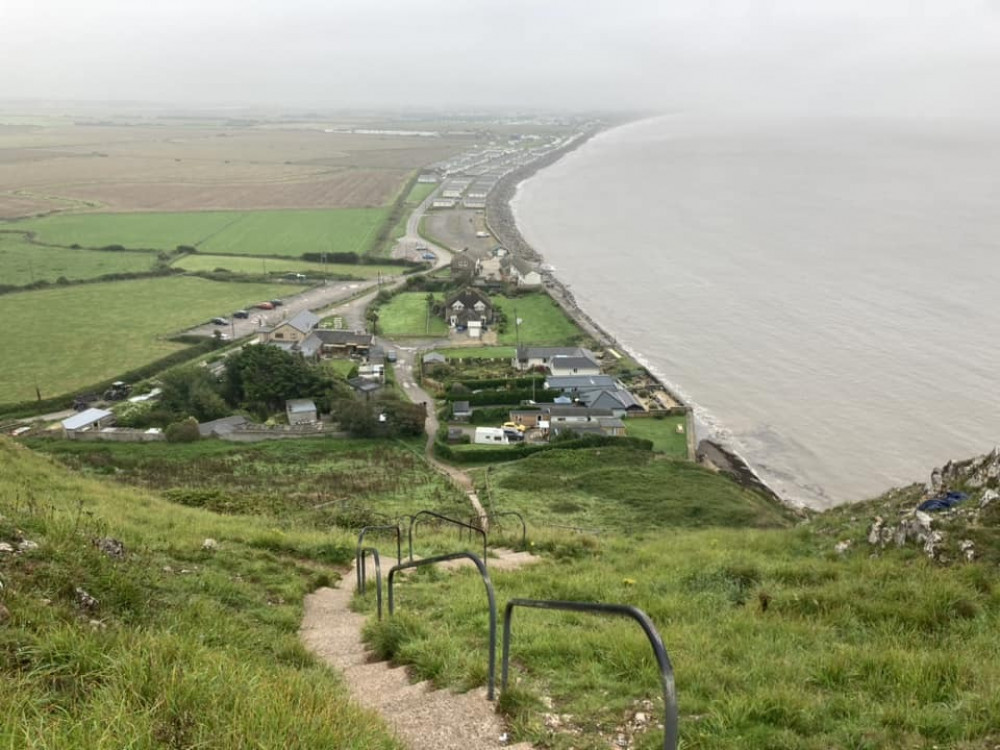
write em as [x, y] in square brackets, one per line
[185, 431]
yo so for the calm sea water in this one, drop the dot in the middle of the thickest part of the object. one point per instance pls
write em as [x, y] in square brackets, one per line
[824, 292]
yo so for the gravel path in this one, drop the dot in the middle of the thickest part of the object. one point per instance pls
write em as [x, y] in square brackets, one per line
[421, 717]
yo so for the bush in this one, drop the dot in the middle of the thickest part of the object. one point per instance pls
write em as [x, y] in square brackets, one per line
[185, 431]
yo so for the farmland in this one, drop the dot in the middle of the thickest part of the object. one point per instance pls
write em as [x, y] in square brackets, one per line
[24, 263]
[284, 233]
[245, 265]
[68, 337]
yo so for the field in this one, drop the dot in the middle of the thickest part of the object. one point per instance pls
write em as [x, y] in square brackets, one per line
[543, 323]
[68, 337]
[482, 352]
[24, 263]
[407, 314]
[281, 233]
[663, 433]
[244, 265]
[176, 165]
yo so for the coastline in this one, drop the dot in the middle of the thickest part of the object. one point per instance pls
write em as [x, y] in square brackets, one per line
[502, 222]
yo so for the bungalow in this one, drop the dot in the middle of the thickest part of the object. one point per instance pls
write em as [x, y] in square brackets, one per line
[434, 358]
[579, 384]
[221, 427]
[528, 357]
[567, 414]
[364, 387]
[605, 426]
[573, 366]
[329, 343]
[291, 331]
[621, 402]
[87, 421]
[467, 307]
[301, 411]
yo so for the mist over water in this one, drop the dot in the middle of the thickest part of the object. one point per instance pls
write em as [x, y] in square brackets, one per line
[823, 291]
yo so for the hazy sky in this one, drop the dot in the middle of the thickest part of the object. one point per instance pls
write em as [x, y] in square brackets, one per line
[933, 57]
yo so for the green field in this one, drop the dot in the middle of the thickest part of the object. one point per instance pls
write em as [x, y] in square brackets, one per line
[419, 192]
[663, 433]
[241, 264]
[283, 233]
[406, 314]
[543, 323]
[68, 337]
[24, 263]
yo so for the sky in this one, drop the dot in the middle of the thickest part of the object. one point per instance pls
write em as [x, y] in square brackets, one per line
[920, 57]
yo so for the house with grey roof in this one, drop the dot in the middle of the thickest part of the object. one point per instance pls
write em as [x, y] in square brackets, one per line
[577, 384]
[563, 414]
[322, 343]
[222, 427]
[524, 273]
[620, 402]
[434, 358]
[469, 309]
[291, 331]
[562, 365]
[528, 357]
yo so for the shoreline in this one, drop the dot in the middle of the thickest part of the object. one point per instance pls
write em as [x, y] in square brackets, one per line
[501, 221]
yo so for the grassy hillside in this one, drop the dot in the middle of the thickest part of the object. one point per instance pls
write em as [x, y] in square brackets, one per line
[616, 489]
[171, 645]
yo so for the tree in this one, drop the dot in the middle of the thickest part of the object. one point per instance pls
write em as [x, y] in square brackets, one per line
[261, 378]
[192, 392]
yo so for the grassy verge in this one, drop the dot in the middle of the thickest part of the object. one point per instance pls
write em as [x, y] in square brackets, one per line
[68, 337]
[173, 645]
[481, 352]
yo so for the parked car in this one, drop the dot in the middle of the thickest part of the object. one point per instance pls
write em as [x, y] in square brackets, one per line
[390, 355]
[514, 426]
[241, 314]
[277, 302]
[220, 321]
[429, 256]
[264, 306]
[295, 276]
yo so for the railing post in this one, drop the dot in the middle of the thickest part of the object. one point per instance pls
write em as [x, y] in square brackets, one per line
[460, 524]
[491, 599]
[662, 658]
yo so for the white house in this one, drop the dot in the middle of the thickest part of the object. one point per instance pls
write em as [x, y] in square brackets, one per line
[561, 365]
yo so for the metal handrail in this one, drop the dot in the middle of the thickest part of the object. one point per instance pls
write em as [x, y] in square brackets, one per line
[461, 524]
[489, 595]
[490, 517]
[378, 576]
[359, 563]
[662, 658]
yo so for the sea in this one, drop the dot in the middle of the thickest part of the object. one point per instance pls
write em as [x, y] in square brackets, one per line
[824, 292]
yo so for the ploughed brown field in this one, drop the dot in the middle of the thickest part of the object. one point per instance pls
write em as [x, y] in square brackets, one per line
[194, 167]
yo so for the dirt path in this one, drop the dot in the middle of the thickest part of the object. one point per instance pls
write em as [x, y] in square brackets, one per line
[421, 717]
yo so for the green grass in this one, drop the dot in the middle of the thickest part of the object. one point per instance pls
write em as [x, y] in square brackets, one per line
[319, 482]
[184, 648]
[68, 337]
[622, 489]
[419, 192]
[406, 314]
[851, 652]
[482, 352]
[245, 265]
[23, 263]
[543, 323]
[280, 233]
[663, 432]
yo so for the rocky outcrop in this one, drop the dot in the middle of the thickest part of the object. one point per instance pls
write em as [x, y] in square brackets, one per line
[961, 496]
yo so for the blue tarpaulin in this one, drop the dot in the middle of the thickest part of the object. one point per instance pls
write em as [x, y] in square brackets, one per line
[943, 502]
